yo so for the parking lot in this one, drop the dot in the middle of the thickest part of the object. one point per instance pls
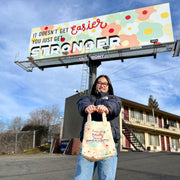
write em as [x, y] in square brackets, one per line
[131, 166]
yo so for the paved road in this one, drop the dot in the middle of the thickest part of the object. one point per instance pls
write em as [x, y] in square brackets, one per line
[131, 166]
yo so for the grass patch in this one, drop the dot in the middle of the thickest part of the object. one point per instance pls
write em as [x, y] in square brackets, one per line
[37, 150]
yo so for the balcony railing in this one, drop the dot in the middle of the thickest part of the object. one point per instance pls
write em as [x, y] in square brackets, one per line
[140, 122]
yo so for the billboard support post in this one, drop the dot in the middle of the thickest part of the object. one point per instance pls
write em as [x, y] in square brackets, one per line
[93, 65]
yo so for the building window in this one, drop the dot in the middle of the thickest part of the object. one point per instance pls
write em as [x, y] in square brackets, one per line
[150, 118]
[172, 123]
[140, 137]
[153, 139]
[175, 143]
[136, 114]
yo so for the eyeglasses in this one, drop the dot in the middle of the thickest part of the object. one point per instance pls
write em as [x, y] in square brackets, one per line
[102, 84]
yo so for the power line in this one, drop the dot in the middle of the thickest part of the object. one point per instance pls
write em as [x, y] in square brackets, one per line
[122, 69]
[148, 74]
[118, 70]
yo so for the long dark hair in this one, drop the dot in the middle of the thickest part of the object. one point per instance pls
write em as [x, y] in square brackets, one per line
[110, 91]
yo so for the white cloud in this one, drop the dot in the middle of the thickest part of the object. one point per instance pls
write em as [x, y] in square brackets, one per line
[137, 79]
[22, 92]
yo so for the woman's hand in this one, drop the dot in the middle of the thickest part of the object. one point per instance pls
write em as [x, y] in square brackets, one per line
[90, 109]
[101, 108]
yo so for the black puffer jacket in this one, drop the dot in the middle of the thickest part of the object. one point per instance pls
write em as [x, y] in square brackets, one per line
[113, 103]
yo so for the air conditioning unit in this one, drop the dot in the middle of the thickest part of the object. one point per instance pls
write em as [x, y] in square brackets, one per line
[152, 124]
[137, 121]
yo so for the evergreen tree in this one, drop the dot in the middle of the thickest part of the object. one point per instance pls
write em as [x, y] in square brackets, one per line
[152, 103]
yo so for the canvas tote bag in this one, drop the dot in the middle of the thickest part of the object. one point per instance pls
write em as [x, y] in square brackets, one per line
[98, 143]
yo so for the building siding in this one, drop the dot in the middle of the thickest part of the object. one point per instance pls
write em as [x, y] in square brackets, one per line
[159, 129]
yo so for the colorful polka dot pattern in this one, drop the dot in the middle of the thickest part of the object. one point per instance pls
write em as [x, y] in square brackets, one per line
[120, 30]
[98, 143]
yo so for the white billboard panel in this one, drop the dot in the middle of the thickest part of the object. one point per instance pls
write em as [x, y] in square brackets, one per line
[134, 28]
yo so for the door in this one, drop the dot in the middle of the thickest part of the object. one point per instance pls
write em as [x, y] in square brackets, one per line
[162, 143]
[126, 113]
[168, 144]
[160, 122]
[127, 141]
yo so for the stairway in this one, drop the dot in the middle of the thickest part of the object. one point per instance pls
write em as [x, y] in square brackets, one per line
[84, 79]
[132, 138]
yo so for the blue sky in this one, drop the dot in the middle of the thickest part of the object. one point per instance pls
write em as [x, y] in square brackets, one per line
[22, 92]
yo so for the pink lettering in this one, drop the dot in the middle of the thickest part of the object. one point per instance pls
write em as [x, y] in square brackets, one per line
[75, 29]
[83, 27]
[100, 134]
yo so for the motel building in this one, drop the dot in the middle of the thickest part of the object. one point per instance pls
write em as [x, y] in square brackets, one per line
[141, 127]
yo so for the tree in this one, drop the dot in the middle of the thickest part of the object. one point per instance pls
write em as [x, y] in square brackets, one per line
[40, 117]
[44, 122]
[56, 116]
[152, 103]
[16, 124]
[41, 132]
[45, 117]
[1, 126]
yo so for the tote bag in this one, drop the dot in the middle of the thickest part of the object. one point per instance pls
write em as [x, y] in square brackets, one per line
[98, 143]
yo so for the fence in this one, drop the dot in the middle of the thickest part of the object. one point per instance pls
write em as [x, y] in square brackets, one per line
[12, 142]
[20, 141]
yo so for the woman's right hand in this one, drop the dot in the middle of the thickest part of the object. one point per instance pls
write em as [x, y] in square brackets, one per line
[101, 109]
[90, 109]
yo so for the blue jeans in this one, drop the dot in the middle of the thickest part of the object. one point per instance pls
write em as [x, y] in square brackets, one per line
[106, 168]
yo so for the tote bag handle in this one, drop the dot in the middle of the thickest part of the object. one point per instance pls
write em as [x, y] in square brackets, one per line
[104, 118]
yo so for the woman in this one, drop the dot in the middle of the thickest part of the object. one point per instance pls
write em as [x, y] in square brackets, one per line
[101, 100]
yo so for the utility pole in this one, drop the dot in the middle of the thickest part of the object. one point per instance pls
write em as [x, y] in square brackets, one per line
[61, 127]
[16, 143]
[34, 139]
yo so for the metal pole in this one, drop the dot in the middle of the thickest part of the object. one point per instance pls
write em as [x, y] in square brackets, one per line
[121, 134]
[61, 127]
[34, 139]
[92, 75]
[92, 72]
[16, 143]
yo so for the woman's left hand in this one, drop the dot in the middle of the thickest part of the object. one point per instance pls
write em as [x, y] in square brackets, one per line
[101, 108]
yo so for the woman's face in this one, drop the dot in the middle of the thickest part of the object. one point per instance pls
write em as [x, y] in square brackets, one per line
[102, 85]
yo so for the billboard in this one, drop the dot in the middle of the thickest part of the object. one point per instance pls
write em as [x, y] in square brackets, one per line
[128, 29]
